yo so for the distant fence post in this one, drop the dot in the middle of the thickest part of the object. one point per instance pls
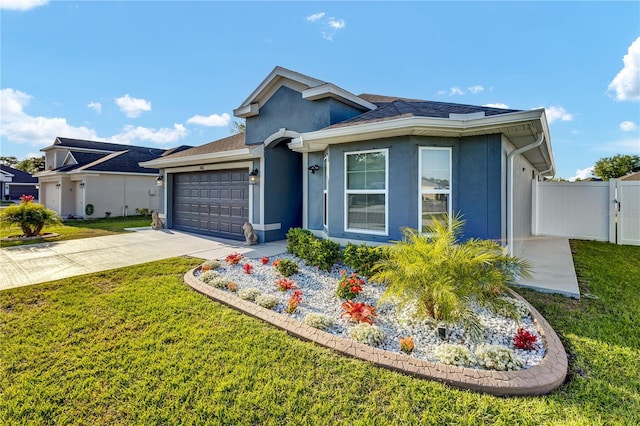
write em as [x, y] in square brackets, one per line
[613, 209]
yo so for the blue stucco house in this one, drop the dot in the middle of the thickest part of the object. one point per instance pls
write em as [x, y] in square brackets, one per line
[358, 168]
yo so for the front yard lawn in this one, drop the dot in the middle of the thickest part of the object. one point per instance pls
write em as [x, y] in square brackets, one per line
[136, 346]
[75, 228]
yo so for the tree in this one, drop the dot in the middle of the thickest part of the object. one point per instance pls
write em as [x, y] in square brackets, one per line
[9, 161]
[614, 167]
[443, 278]
[237, 127]
[31, 165]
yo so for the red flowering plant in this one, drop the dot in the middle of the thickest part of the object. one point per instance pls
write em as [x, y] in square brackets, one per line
[26, 198]
[407, 345]
[349, 286]
[276, 263]
[264, 260]
[293, 302]
[234, 258]
[285, 284]
[247, 268]
[524, 339]
[358, 312]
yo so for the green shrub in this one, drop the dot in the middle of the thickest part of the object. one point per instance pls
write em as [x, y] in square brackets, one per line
[322, 254]
[249, 294]
[210, 264]
[368, 334]
[266, 301]
[445, 278]
[30, 216]
[455, 355]
[214, 279]
[287, 267]
[363, 258]
[319, 321]
[495, 357]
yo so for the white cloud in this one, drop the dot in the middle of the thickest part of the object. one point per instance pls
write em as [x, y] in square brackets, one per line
[628, 126]
[330, 26]
[213, 120]
[623, 146]
[337, 24]
[557, 113]
[315, 17]
[96, 106]
[161, 136]
[133, 107]
[626, 84]
[442, 92]
[21, 4]
[456, 91]
[497, 105]
[20, 127]
[17, 126]
[476, 89]
[582, 174]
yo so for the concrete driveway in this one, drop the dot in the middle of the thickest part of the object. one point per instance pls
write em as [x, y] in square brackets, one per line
[37, 263]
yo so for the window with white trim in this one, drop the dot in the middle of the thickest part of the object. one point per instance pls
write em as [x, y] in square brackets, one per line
[434, 166]
[366, 186]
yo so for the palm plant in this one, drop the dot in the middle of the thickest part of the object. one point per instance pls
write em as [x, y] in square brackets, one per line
[444, 278]
[31, 217]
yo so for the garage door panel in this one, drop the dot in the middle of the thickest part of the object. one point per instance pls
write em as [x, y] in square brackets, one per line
[212, 202]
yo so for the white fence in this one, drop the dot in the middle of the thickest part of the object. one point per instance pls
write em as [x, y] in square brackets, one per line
[604, 211]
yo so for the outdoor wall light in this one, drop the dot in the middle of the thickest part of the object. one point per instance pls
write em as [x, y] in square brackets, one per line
[37, 186]
[159, 180]
[253, 177]
[82, 184]
[313, 169]
[58, 185]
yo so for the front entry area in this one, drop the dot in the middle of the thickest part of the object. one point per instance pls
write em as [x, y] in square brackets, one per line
[214, 202]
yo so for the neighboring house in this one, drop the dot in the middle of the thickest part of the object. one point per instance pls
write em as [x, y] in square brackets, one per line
[631, 176]
[15, 183]
[359, 168]
[88, 179]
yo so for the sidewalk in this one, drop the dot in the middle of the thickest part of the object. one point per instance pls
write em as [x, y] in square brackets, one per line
[553, 270]
[37, 263]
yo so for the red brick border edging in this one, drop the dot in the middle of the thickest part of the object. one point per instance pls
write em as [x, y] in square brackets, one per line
[540, 379]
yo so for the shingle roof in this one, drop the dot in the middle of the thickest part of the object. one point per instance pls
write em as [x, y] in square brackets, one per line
[103, 146]
[19, 175]
[125, 162]
[227, 144]
[390, 108]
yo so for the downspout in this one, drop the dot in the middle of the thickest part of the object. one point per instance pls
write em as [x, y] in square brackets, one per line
[510, 157]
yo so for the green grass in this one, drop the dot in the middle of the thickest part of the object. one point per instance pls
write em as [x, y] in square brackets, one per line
[136, 346]
[74, 229]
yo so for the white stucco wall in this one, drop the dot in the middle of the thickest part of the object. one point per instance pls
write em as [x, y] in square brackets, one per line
[111, 193]
[523, 174]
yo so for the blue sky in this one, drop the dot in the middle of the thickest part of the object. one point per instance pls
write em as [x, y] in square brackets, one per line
[169, 73]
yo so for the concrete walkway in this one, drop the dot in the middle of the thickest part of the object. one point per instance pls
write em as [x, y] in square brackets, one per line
[553, 270]
[37, 263]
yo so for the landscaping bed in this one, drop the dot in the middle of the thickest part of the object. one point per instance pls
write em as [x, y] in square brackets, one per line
[318, 297]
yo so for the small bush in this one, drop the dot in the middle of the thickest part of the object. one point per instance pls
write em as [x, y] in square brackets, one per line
[285, 284]
[495, 357]
[358, 312]
[31, 217]
[214, 280]
[249, 294]
[293, 302]
[266, 301]
[233, 287]
[322, 254]
[234, 258]
[210, 264]
[287, 267]
[363, 258]
[514, 309]
[349, 286]
[524, 339]
[368, 334]
[319, 321]
[455, 355]
[407, 345]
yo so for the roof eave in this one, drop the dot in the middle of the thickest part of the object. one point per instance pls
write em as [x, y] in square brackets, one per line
[423, 126]
[214, 157]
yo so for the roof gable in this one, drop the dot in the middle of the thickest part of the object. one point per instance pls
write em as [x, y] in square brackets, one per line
[310, 88]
